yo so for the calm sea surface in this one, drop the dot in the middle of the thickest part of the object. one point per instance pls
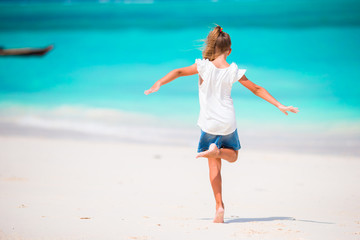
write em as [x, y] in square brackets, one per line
[305, 53]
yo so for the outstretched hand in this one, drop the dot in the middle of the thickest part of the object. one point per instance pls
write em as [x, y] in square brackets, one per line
[154, 88]
[289, 108]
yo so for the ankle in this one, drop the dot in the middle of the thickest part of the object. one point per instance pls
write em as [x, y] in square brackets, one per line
[218, 152]
[219, 204]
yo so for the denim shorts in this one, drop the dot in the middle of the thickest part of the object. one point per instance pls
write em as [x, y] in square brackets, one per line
[222, 141]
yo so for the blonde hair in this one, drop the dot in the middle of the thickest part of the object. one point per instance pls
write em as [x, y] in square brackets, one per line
[216, 43]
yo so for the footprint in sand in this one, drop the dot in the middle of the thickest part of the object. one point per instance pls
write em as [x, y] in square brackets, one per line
[157, 156]
[14, 179]
[139, 238]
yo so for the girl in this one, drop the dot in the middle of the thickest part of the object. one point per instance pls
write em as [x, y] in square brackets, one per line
[219, 138]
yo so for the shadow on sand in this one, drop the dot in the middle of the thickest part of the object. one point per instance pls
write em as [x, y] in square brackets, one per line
[235, 219]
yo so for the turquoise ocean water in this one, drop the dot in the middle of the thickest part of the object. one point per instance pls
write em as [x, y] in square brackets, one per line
[305, 53]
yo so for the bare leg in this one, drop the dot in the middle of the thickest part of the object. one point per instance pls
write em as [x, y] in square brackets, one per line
[227, 154]
[215, 180]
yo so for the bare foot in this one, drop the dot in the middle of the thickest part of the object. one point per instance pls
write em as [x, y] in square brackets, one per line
[219, 215]
[213, 152]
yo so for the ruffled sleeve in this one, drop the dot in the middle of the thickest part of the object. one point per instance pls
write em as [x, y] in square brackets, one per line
[201, 65]
[238, 74]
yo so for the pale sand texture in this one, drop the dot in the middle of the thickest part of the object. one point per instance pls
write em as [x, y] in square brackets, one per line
[67, 189]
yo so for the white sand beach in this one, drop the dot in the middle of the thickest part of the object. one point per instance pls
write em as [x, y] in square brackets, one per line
[57, 188]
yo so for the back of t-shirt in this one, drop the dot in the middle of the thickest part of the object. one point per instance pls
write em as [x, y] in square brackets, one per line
[217, 114]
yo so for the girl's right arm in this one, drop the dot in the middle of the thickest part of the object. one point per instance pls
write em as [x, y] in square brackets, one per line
[172, 75]
[261, 92]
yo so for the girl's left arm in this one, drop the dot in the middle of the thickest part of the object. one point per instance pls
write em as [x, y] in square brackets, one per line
[261, 92]
[172, 75]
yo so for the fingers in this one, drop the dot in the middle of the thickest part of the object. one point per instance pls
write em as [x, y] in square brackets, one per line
[147, 92]
[291, 109]
[284, 111]
[294, 109]
[152, 89]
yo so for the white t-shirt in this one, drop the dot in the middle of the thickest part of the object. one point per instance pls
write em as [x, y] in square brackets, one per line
[217, 114]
